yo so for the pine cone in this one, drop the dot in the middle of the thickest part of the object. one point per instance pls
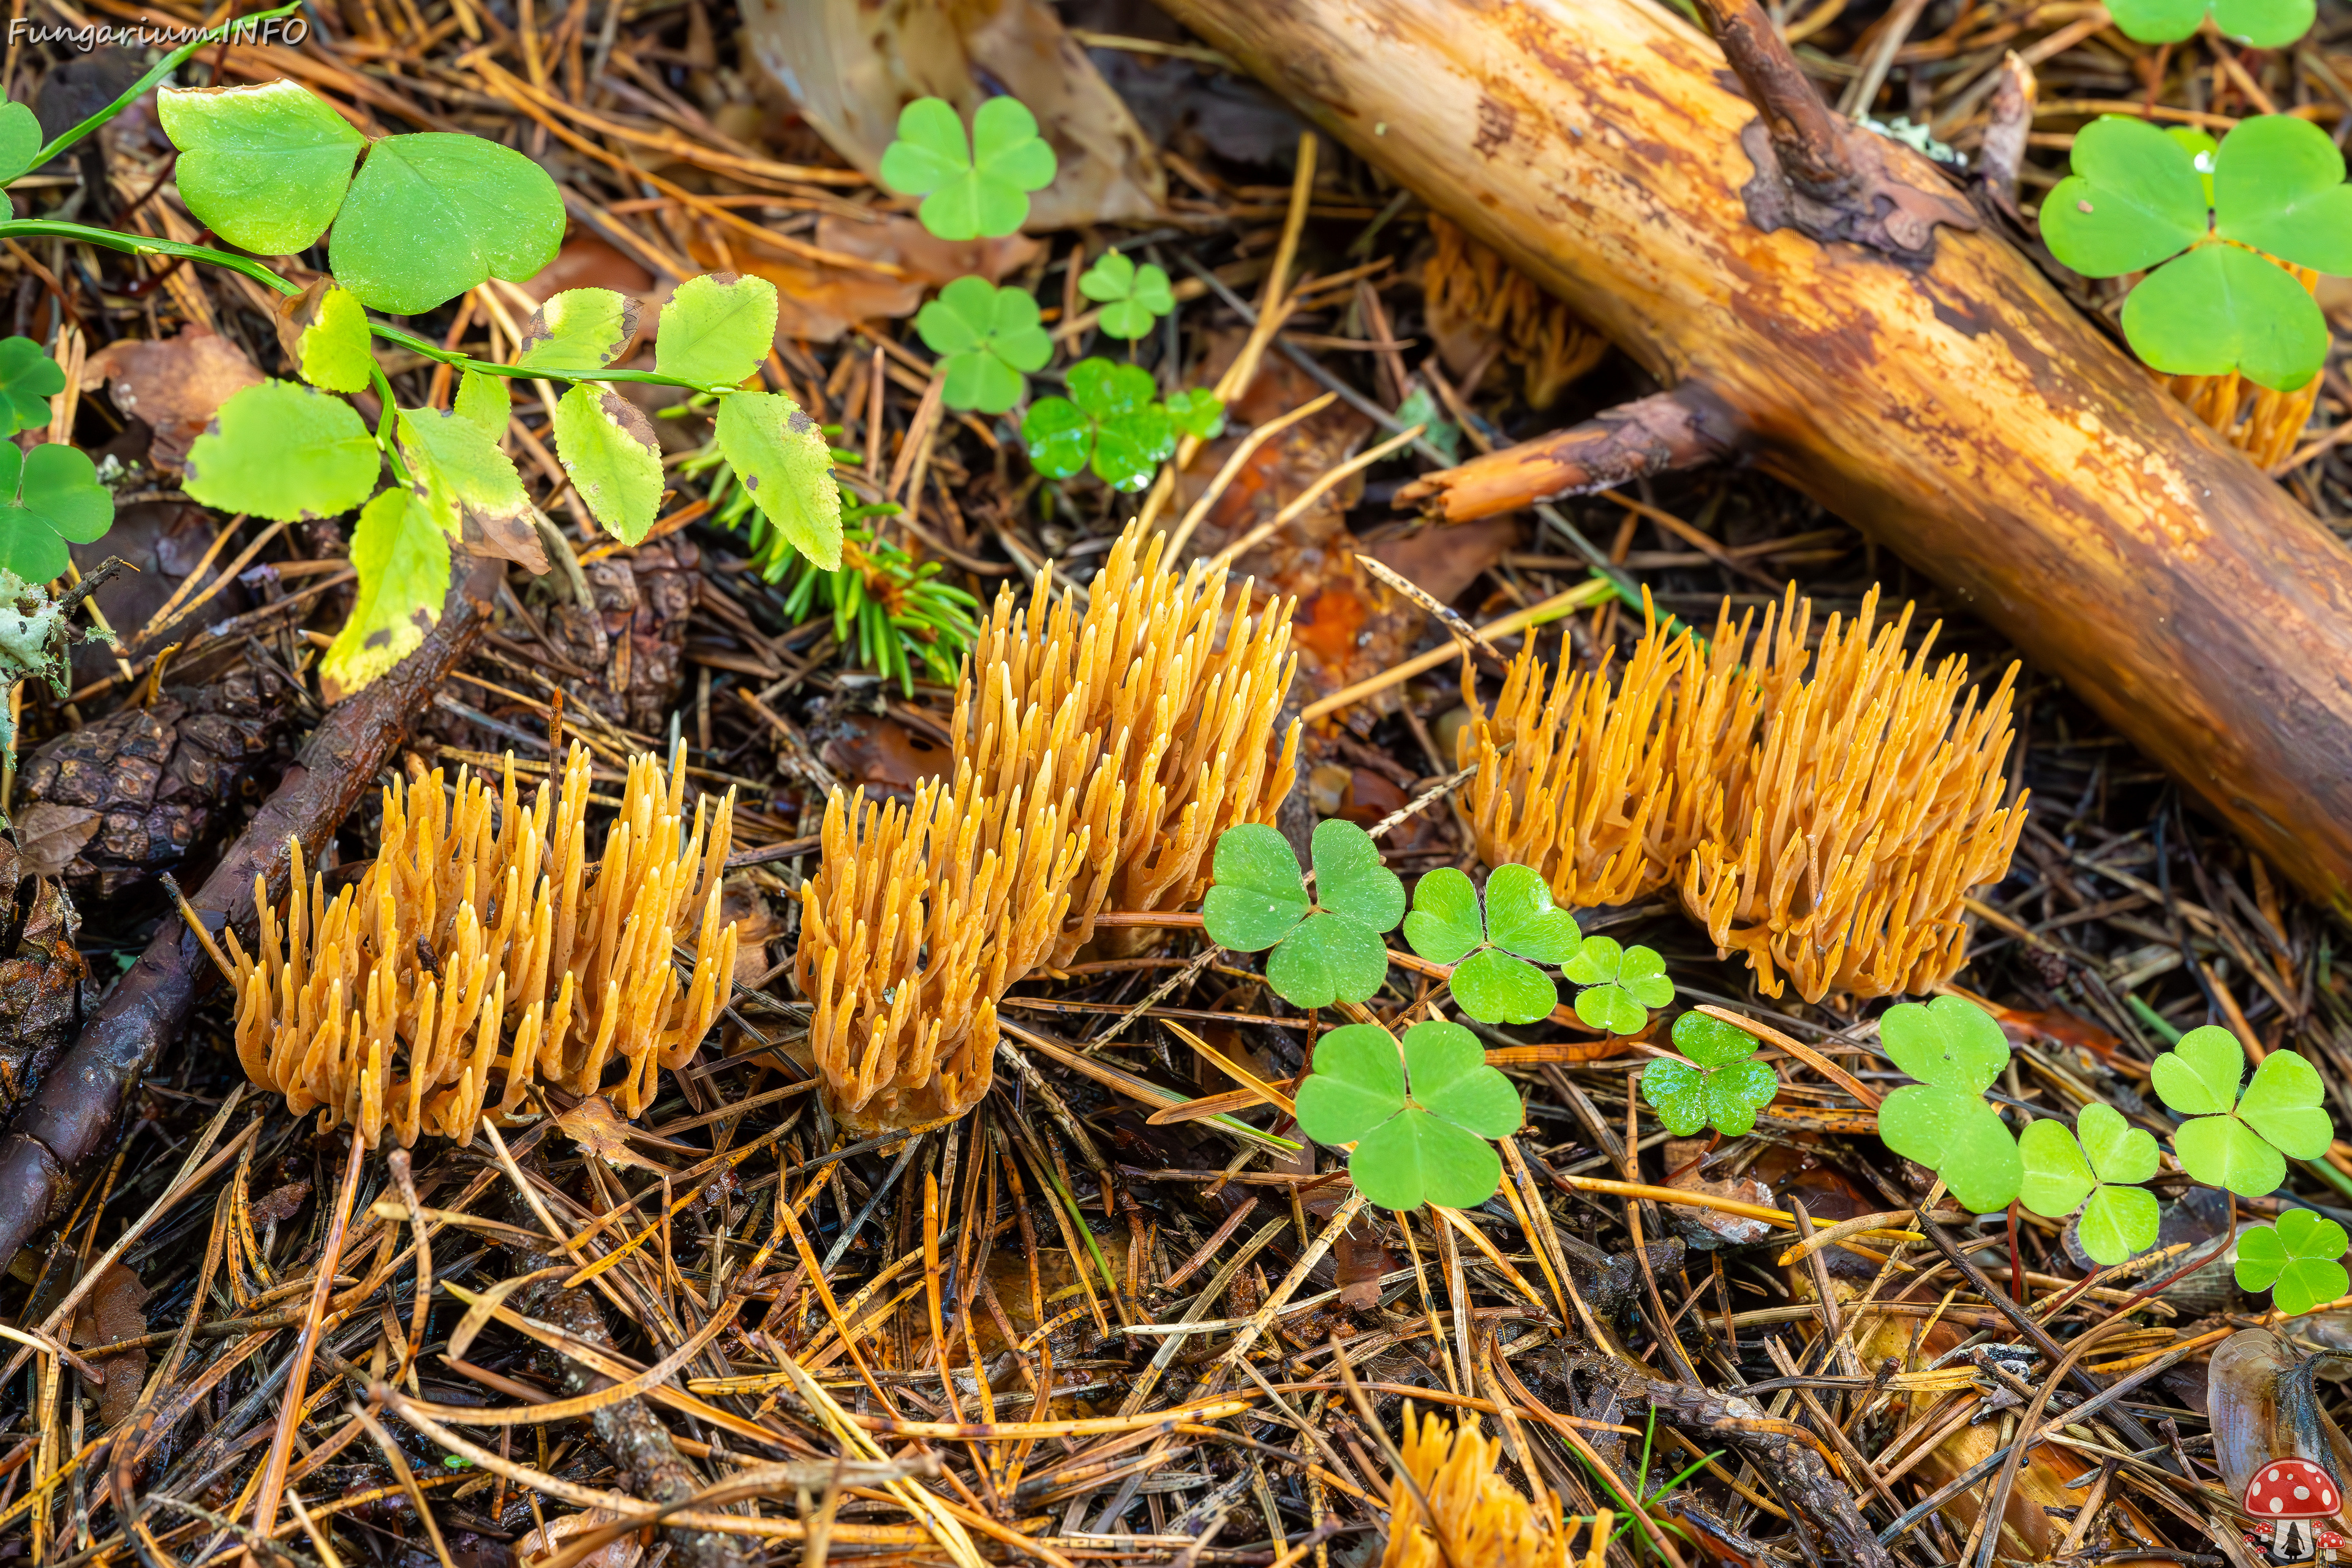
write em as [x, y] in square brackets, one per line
[112, 803]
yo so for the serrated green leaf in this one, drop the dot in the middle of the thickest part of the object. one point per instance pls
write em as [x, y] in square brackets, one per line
[1415, 1158]
[2285, 1104]
[2117, 1151]
[608, 446]
[1677, 1092]
[1129, 447]
[786, 464]
[2278, 185]
[267, 168]
[1495, 988]
[2199, 1076]
[1952, 1132]
[403, 559]
[716, 330]
[1710, 1042]
[465, 476]
[1949, 1041]
[1329, 958]
[2296, 1259]
[333, 347]
[2134, 199]
[49, 495]
[1522, 919]
[433, 213]
[1446, 1074]
[2118, 1222]
[2223, 1151]
[20, 140]
[1357, 1083]
[1352, 880]
[482, 398]
[1258, 895]
[987, 338]
[588, 329]
[2057, 1177]
[1060, 437]
[971, 189]
[285, 452]
[1444, 924]
[28, 379]
[1197, 412]
[2220, 308]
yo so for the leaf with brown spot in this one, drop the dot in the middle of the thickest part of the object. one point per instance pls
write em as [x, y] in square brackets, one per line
[580, 328]
[607, 446]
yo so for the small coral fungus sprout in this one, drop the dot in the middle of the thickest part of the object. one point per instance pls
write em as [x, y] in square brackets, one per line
[484, 948]
[1481, 1519]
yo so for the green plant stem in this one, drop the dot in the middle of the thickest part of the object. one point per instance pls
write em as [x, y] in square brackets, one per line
[140, 244]
[383, 425]
[156, 73]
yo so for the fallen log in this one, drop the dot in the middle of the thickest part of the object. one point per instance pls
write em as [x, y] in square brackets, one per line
[1910, 370]
[79, 1104]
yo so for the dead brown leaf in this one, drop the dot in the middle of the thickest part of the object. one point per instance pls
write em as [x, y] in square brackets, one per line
[175, 385]
[49, 835]
[111, 1312]
[1706, 1228]
[599, 1131]
[541, 1543]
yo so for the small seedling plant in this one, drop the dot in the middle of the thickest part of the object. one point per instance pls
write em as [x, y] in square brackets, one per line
[409, 222]
[1422, 1117]
[2214, 226]
[1115, 423]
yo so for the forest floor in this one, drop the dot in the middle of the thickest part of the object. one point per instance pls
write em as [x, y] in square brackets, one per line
[1702, 1386]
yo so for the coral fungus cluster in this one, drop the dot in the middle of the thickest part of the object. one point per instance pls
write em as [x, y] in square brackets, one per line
[1830, 827]
[1478, 1517]
[1100, 744]
[485, 948]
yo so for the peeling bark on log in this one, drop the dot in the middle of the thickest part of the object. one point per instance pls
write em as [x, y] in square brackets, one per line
[1958, 410]
[81, 1103]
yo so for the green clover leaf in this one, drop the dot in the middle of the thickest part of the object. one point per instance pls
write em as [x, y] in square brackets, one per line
[2234, 1142]
[1422, 1128]
[1060, 437]
[1955, 1050]
[20, 140]
[1197, 412]
[1623, 984]
[49, 495]
[1326, 949]
[2262, 23]
[2297, 1260]
[987, 338]
[28, 379]
[2057, 1176]
[971, 189]
[2201, 148]
[1722, 1086]
[1110, 416]
[1493, 979]
[1132, 297]
[2139, 196]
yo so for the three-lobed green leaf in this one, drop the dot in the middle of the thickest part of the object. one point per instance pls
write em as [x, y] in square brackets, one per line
[49, 495]
[971, 189]
[1423, 1126]
[1132, 298]
[283, 451]
[2233, 1140]
[2297, 1259]
[987, 338]
[1325, 949]
[1955, 1050]
[2101, 1161]
[1491, 948]
[1111, 418]
[1722, 1086]
[1622, 984]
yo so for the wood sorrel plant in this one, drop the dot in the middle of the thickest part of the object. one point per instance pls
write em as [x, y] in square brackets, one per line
[415, 221]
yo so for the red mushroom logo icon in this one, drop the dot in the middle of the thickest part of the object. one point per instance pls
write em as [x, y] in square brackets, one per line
[2286, 1497]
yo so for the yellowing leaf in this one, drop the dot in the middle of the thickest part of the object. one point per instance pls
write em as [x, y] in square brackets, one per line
[403, 559]
[607, 446]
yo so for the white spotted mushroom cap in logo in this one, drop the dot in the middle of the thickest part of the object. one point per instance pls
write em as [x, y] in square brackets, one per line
[2290, 1488]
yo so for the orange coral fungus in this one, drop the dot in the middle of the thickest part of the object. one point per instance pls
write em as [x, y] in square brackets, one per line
[391, 1005]
[1594, 787]
[1840, 852]
[1482, 1518]
[1472, 290]
[1098, 753]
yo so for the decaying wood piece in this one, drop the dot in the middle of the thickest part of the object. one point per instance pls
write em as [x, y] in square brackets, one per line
[1678, 429]
[1955, 406]
[77, 1110]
